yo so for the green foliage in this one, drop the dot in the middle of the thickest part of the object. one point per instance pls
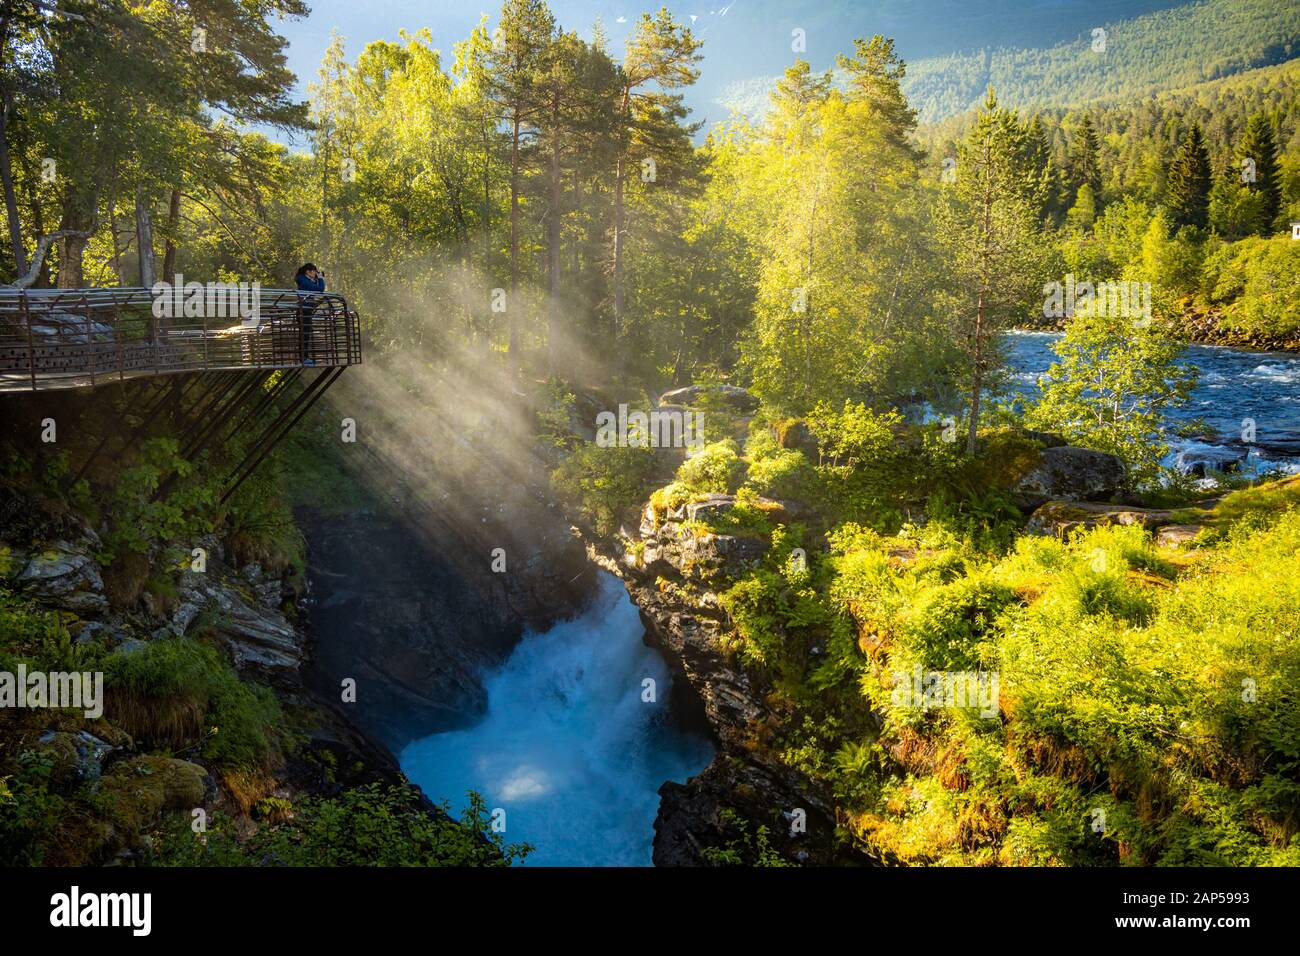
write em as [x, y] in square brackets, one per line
[1110, 387]
[714, 468]
[605, 483]
[1144, 55]
[873, 467]
[1257, 284]
[29, 811]
[989, 219]
[949, 621]
[372, 825]
[1187, 190]
[179, 693]
[554, 419]
[777, 472]
[139, 518]
[1131, 680]
[743, 847]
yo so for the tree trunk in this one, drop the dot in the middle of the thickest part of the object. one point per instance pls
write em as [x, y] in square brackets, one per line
[11, 199]
[144, 238]
[977, 372]
[553, 236]
[173, 224]
[977, 376]
[617, 325]
[72, 246]
[117, 245]
[512, 306]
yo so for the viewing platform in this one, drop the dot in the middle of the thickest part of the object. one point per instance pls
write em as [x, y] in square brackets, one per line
[80, 338]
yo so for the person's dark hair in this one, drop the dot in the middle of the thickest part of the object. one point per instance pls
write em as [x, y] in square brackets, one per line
[304, 269]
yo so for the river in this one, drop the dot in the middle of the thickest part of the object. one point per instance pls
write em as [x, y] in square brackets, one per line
[1234, 385]
[573, 752]
[575, 743]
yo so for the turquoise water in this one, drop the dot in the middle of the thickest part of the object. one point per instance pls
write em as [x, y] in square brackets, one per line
[569, 749]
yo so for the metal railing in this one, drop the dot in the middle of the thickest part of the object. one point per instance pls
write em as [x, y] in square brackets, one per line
[64, 338]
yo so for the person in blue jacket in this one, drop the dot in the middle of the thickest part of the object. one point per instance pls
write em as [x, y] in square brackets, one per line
[308, 279]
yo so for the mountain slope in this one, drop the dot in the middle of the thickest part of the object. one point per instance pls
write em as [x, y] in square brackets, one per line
[1158, 51]
[1143, 55]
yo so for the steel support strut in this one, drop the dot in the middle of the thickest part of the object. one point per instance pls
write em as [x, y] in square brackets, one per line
[278, 429]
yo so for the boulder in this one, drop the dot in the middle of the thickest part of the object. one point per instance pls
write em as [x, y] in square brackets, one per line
[1061, 517]
[78, 757]
[259, 636]
[64, 575]
[1046, 439]
[1178, 535]
[136, 792]
[1202, 459]
[735, 396]
[1067, 472]
[795, 434]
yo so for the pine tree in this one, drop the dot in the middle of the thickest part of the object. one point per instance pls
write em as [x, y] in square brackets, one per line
[516, 70]
[795, 100]
[1046, 175]
[1187, 190]
[1085, 164]
[1257, 155]
[991, 232]
[661, 56]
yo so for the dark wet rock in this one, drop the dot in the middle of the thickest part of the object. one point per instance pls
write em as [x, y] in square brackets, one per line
[739, 398]
[257, 633]
[1207, 458]
[415, 622]
[690, 815]
[673, 572]
[670, 545]
[1066, 472]
[1178, 535]
[1061, 517]
[62, 574]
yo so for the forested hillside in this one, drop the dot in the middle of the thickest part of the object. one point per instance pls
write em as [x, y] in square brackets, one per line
[1137, 57]
[1134, 57]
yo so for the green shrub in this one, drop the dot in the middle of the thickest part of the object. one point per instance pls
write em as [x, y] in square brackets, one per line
[178, 693]
[606, 483]
[715, 468]
[1257, 283]
[949, 620]
[367, 826]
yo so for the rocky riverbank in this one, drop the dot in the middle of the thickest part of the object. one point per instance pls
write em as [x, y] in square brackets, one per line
[1201, 327]
[249, 614]
[375, 633]
[675, 568]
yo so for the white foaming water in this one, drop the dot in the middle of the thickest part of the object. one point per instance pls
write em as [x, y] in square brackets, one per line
[568, 748]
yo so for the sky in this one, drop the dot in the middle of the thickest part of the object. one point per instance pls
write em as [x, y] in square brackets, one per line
[743, 39]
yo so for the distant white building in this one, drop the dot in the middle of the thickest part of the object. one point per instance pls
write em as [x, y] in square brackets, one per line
[1295, 230]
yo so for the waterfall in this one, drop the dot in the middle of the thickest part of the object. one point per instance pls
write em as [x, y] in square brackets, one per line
[570, 747]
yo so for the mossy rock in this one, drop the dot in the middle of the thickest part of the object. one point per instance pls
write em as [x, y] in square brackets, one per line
[137, 791]
[77, 757]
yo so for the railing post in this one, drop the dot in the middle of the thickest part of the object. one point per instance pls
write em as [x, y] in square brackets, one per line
[117, 338]
[90, 346]
[31, 347]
